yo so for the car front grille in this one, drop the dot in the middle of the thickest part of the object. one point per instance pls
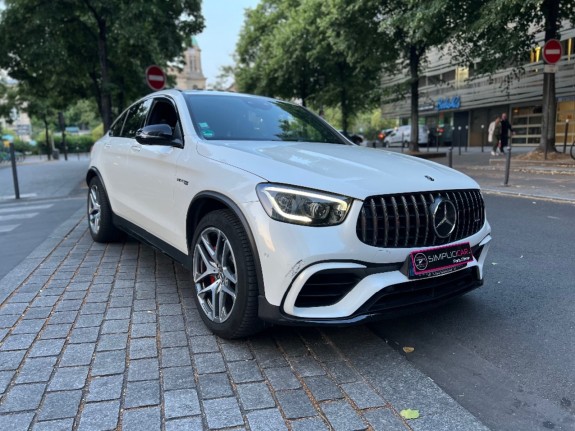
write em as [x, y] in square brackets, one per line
[405, 220]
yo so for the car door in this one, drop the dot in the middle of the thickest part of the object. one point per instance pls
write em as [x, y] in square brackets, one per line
[152, 174]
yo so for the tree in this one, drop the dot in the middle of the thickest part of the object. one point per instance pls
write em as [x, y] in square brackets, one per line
[502, 34]
[80, 48]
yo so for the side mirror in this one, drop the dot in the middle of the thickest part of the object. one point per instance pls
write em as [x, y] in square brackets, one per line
[157, 134]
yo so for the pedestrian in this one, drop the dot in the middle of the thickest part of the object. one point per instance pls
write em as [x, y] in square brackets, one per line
[506, 131]
[494, 135]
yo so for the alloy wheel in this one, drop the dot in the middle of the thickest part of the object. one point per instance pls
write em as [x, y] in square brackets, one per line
[94, 213]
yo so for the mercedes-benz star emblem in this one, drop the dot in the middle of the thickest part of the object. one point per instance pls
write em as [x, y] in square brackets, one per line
[443, 217]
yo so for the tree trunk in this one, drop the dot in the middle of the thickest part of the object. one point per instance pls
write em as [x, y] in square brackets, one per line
[343, 99]
[550, 9]
[105, 97]
[47, 135]
[414, 87]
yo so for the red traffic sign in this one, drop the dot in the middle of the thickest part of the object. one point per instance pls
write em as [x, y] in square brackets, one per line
[155, 77]
[552, 51]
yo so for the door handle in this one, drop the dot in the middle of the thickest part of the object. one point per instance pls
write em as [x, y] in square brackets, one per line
[136, 147]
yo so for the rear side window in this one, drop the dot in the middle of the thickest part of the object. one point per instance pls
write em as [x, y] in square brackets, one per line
[116, 128]
[135, 118]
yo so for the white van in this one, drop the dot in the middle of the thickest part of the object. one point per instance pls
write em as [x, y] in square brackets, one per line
[402, 134]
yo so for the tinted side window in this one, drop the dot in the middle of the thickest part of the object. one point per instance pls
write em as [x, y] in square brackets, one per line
[163, 112]
[116, 128]
[135, 119]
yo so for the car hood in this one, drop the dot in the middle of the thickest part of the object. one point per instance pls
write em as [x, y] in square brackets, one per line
[343, 169]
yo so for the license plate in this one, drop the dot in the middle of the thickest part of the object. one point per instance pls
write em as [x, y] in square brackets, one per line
[439, 261]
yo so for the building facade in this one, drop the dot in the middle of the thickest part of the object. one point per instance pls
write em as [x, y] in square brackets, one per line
[458, 107]
[191, 76]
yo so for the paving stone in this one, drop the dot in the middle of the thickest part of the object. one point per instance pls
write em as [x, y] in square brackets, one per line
[55, 425]
[107, 363]
[204, 344]
[173, 339]
[55, 331]
[141, 330]
[363, 395]
[183, 402]
[267, 353]
[69, 378]
[7, 321]
[222, 413]
[47, 348]
[144, 317]
[45, 301]
[94, 308]
[143, 348]
[89, 320]
[60, 405]
[144, 369]
[342, 416]
[17, 308]
[282, 378]
[215, 386]
[105, 388]
[142, 419]
[97, 297]
[309, 424]
[255, 396]
[100, 416]
[185, 424]
[176, 357]
[29, 326]
[3, 333]
[18, 342]
[84, 335]
[73, 294]
[11, 360]
[323, 388]
[245, 371]
[70, 305]
[266, 420]
[141, 394]
[112, 342]
[5, 379]
[384, 420]
[144, 305]
[118, 313]
[295, 404]
[307, 366]
[178, 378]
[23, 297]
[115, 326]
[236, 351]
[56, 318]
[209, 363]
[172, 323]
[77, 354]
[325, 352]
[23, 397]
[342, 372]
[16, 421]
[36, 370]
[169, 309]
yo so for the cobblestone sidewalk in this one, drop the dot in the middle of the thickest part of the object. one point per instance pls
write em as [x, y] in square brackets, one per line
[105, 337]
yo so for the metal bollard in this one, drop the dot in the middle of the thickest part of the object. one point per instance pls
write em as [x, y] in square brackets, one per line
[14, 171]
[459, 139]
[467, 136]
[482, 137]
[450, 156]
[507, 164]
[566, 133]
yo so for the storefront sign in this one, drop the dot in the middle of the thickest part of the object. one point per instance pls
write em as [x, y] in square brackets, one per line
[446, 103]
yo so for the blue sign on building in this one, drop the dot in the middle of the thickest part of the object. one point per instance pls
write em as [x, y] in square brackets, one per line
[448, 103]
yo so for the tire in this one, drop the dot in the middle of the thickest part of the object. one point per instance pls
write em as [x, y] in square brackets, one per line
[100, 222]
[224, 276]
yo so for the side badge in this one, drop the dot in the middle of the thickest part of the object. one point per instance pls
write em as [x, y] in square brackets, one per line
[182, 181]
[430, 178]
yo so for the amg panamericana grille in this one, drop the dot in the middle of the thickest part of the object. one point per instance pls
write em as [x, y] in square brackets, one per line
[405, 220]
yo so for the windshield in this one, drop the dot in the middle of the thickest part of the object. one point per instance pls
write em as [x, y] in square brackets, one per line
[245, 118]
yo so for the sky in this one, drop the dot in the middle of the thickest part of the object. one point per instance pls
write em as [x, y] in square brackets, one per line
[223, 20]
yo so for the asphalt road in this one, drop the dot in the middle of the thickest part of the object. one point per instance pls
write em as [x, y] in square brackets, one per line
[506, 351]
[50, 193]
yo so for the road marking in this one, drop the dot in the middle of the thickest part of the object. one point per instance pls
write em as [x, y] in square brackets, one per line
[8, 228]
[25, 195]
[25, 208]
[18, 216]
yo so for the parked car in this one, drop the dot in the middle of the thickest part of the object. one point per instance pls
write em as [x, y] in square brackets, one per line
[402, 135]
[281, 219]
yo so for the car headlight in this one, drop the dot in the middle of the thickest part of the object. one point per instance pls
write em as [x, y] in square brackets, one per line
[302, 206]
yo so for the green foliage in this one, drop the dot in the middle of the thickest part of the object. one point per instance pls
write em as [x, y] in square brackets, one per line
[97, 132]
[69, 50]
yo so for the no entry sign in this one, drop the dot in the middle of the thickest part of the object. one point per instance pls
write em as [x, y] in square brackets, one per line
[155, 77]
[552, 51]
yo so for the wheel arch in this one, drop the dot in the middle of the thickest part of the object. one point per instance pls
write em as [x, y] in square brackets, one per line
[208, 201]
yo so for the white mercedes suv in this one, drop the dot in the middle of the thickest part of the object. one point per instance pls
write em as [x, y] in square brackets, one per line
[281, 219]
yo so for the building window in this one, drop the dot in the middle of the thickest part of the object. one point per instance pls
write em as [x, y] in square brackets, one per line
[565, 112]
[461, 75]
[526, 121]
